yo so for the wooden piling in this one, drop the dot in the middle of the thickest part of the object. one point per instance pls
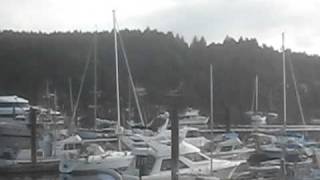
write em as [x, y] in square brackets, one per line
[174, 143]
[33, 122]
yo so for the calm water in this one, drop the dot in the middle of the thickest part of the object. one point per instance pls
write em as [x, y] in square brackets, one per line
[42, 176]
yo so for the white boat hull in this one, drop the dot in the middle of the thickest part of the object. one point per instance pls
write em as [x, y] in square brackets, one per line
[187, 175]
[14, 129]
[113, 160]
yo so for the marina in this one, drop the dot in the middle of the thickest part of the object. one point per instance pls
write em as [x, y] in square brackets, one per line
[146, 105]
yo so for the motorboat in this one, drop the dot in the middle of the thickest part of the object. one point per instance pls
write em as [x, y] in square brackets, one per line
[14, 116]
[13, 129]
[231, 149]
[156, 129]
[47, 148]
[48, 156]
[274, 145]
[14, 108]
[94, 158]
[153, 162]
[189, 134]
[193, 136]
[192, 117]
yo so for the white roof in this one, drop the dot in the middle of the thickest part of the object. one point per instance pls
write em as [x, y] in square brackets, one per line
[12, 99]
[71, 139]
[163, 149]
[230, 142]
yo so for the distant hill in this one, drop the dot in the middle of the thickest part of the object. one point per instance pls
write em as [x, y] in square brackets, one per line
[159, 62]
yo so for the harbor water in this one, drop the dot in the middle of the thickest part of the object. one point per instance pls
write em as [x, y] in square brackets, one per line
[57, 176]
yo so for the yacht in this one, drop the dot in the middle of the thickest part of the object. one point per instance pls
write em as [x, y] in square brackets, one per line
[153, 162]
[231, 149]
[48, 155]
[189, 134]
[191, 117]
[14, 108]
[193, 136]
[95, 158]
[14, 112]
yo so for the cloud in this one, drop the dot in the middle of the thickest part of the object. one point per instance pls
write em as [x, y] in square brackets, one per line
[264, 20]
[213, 19]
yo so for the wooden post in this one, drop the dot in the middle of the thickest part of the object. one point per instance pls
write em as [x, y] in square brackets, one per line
[174, 143]
[33, 121]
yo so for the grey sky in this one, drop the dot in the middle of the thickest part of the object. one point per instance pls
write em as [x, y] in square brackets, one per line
[213, 19]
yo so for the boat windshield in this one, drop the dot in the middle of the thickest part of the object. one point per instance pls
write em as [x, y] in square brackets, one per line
[145, 164]
[72, 146]
[195, 157]
[192, 134]
[167, 163]
[226, 148]
[10, 105]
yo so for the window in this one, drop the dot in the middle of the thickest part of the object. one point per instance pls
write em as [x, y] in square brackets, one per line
[196, 157]
[145, 163]
[6, 105]
[225, 148]
[68, 147]
[12, 105]
[78, 146]
[193, 134]
[40, 154]
[167, 163]
[238, 146]
[137, 140]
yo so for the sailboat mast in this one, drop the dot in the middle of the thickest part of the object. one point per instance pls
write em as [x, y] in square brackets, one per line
[257, 93]
[71, 95]
[129, 101]
[117, 73]
[284, 85]
[211, 115]
[95, 81]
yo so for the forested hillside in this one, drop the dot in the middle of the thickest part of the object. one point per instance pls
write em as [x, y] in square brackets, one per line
[159, 62]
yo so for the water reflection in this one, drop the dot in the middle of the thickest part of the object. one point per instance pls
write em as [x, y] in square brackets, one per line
[48, 176]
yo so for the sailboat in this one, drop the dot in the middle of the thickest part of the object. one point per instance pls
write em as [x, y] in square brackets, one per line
[105, 159]
[256, 117]
[102, 128]
[284, 157]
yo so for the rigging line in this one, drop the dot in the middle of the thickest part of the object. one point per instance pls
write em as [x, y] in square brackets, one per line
[253, 98]
[296, 90]
[81, 86]
[130, 77]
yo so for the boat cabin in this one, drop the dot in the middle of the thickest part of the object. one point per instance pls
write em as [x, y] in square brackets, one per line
[193, 136]
[14, 108]
[192, 117]
[154, 162]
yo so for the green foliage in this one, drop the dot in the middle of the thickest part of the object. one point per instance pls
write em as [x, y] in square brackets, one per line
[159, 62]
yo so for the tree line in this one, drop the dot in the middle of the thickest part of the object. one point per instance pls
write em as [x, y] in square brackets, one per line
[160, 62]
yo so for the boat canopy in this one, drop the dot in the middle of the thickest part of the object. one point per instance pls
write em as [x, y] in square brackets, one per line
[163, 149]
[12, 99]
[230, 142]
[72, 139]
[189, 112]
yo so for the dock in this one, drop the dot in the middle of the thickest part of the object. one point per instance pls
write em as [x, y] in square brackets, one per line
[263, 128]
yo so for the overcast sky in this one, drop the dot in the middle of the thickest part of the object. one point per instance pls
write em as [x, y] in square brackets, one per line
[213, 19]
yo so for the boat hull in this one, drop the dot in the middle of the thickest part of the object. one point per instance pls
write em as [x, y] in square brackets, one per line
[114, 160]
[26, 166]
[13, 129]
